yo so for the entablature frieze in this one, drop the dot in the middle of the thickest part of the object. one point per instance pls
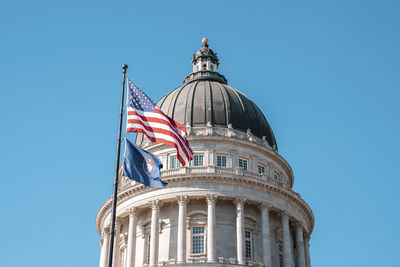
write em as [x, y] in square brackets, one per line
[171, 196]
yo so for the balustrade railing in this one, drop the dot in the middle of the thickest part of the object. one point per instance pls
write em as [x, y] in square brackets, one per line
[211, 169]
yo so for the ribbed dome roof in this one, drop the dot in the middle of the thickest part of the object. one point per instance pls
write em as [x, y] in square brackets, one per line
[205, 98]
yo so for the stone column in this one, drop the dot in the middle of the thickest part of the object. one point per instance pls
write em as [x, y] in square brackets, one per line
[240, 230]
[105, 248]
[266, 235]
[181, 253]
[116, 243]
[211, 199]
[287, 252]
[155, 209]
[307, 250]
[131, 247]
[301, 260]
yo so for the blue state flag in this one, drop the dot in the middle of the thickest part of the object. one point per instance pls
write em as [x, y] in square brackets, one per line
[142, 166]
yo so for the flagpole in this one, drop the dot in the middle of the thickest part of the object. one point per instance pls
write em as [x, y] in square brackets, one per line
[114, 202]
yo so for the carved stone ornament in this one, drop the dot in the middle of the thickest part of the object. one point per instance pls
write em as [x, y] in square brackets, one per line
[209, 129]
[250, 136]
[155, 204]
[188, 129]
[133, 213]
[211, 199]
[284, 213]
[230, 132]
[182, 200]
[298, 224]
[239, 202]
[105, 233]
[265, 206]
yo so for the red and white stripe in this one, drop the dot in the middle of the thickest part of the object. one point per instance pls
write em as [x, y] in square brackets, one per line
[160, 128]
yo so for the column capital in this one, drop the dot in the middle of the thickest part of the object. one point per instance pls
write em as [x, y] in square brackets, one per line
[182, 200]
[265, 206]
[298, 224]
[284, 213]
[211, 199]
[117, 225]
[306, 237]
[133, 212]
[239, 201]
[155, 204]
[105, 232]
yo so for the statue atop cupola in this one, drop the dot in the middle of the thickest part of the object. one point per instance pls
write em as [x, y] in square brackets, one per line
[205, 59]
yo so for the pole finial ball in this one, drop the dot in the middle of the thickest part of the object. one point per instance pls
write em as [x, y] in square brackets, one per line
[204, 41]
[124, 66]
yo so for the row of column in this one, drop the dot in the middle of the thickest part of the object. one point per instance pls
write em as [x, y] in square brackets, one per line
[303, 255]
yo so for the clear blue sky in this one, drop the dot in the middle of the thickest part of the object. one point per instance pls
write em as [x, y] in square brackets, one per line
[325, 73]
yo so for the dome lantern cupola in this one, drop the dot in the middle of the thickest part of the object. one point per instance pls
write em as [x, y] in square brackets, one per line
[205, 59]
[205, 65]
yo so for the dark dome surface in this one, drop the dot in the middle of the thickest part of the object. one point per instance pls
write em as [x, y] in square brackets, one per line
[202, 101]
[206, 98]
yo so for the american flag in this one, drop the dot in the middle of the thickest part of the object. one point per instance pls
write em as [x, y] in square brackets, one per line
[145, 117]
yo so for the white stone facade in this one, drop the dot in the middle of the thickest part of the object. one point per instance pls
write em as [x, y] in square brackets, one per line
[212, 215]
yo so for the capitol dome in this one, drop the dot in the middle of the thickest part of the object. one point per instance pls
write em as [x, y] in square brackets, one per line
[205, 98]
[233, 205]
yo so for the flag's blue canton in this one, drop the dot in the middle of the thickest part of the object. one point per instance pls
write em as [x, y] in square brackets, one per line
[139, 100]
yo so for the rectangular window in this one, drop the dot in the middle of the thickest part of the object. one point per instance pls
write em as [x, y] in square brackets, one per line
[198, 236]
[221, 161]
[198, 160]
[249, 244]
[276, 175]
[175, 163]
[261, 169]
[243, 164]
